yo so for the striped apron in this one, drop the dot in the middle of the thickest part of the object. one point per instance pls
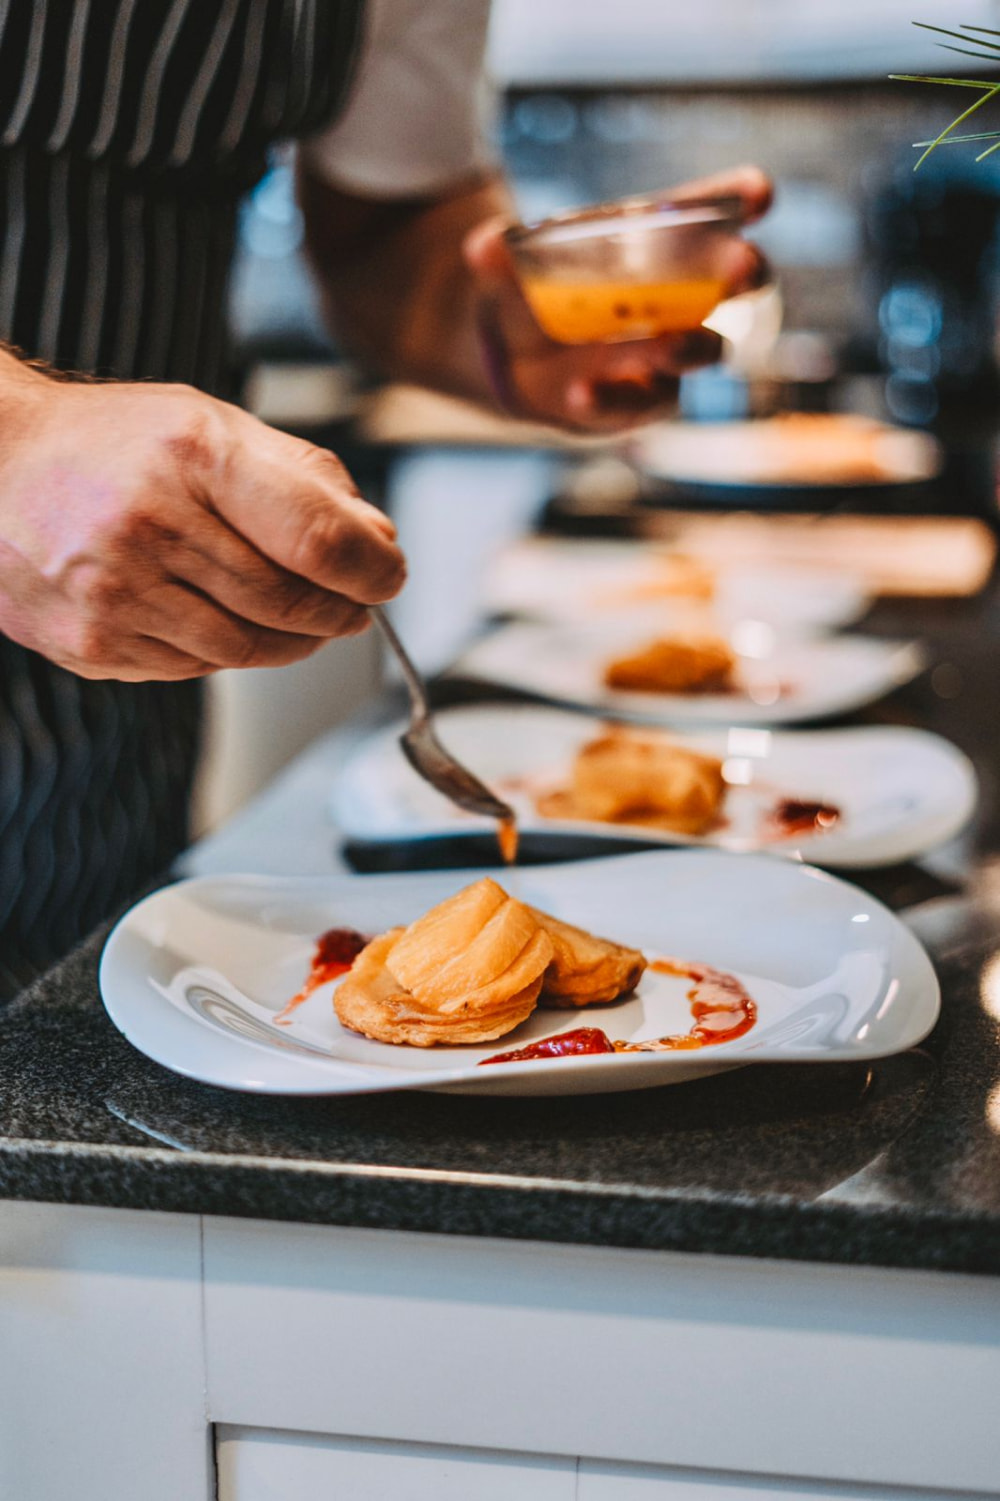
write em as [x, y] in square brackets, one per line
[129, 131]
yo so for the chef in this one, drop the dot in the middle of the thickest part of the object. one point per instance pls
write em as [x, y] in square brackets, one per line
[150, 531]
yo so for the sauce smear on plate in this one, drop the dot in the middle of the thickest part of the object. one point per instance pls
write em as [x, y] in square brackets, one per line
[798, 816]
[565, 1045]
[336, 950]
[721, 1009]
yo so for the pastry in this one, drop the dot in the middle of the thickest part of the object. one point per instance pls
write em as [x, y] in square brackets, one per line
[473, 968]
[674, 664]
[585, 970]
[640, 777]
[469, 970]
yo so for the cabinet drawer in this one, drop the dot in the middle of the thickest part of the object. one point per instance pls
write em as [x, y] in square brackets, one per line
[262, 1465]
[612, 1482]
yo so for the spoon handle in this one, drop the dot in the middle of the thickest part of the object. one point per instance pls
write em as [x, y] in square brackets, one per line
[414, 682]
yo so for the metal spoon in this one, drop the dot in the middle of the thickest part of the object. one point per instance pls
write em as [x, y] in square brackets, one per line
[424, 750]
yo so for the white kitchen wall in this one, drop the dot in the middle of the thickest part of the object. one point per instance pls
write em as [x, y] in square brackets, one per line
[589, 41]
[259, 719]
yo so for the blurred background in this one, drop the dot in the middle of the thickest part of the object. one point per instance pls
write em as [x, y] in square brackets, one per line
[886, 301]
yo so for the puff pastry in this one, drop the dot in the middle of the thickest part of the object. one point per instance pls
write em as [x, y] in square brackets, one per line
[473, 968]
[586, 970]
[469, 970]
[674, 664]
[640, 777]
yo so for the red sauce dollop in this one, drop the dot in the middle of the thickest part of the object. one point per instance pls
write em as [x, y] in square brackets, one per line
[336, 950]
[797, 816]
[564, 1045]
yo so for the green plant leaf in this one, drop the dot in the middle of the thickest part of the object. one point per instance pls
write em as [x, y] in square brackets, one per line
[959, 120]
[960, 36]
[983, 135]
[983, 57]
[980, 47]
[958, 83]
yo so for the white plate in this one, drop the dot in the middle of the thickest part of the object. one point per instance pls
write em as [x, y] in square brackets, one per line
[195, 974]
[560, 580]
[900, 791]
[789, 451]
[786, 681]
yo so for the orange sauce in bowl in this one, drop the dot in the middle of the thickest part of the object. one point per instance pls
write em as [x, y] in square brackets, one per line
[600, 312]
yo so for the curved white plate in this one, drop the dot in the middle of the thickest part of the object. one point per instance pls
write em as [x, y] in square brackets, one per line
[194, 975]
[555, 579]
[900, 791]
[785, 681]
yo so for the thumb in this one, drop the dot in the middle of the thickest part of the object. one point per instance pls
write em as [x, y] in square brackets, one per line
[485, 251]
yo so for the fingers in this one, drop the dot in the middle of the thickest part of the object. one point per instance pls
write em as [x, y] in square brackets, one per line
[198, 627]
[297, 505]
[749, 184]
[142, 660]
[219, 563]
[613, 405]
[742, 267]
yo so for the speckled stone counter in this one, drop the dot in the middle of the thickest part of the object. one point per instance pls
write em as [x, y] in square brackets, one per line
[895, 1164]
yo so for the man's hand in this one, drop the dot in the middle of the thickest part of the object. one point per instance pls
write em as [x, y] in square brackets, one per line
[149, 531]
[606, 387]
[406, 285]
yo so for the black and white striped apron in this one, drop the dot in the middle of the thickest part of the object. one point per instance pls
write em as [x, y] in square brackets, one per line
[129, 131]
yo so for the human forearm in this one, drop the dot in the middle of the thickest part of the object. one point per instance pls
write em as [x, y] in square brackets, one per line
[395, 285]
[414, 287]
[22, 387]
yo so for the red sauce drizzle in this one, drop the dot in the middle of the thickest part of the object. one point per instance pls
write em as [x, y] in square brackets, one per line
[336, 951]
[564, 1045]
[797, 816]
[720, 1006]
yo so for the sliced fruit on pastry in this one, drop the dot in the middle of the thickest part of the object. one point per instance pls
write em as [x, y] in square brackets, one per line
[468, 971]
[478, 944]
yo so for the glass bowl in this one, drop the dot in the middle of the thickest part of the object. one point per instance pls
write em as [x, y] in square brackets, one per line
[633, 269]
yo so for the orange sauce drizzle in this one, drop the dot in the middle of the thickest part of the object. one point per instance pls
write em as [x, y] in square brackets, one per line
[508, 838]
[721, 1009]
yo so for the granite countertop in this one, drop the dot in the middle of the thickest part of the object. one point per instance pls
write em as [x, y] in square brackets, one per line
[896, 1163]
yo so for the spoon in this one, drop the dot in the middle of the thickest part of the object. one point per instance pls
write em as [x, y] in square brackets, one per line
[432, 761]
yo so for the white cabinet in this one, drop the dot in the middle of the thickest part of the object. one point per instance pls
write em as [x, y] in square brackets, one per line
[336, 1364]
[102, 1391]
[263, 1466]
[852, 1375]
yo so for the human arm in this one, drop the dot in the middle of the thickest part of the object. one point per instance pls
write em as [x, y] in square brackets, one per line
[421, 288]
